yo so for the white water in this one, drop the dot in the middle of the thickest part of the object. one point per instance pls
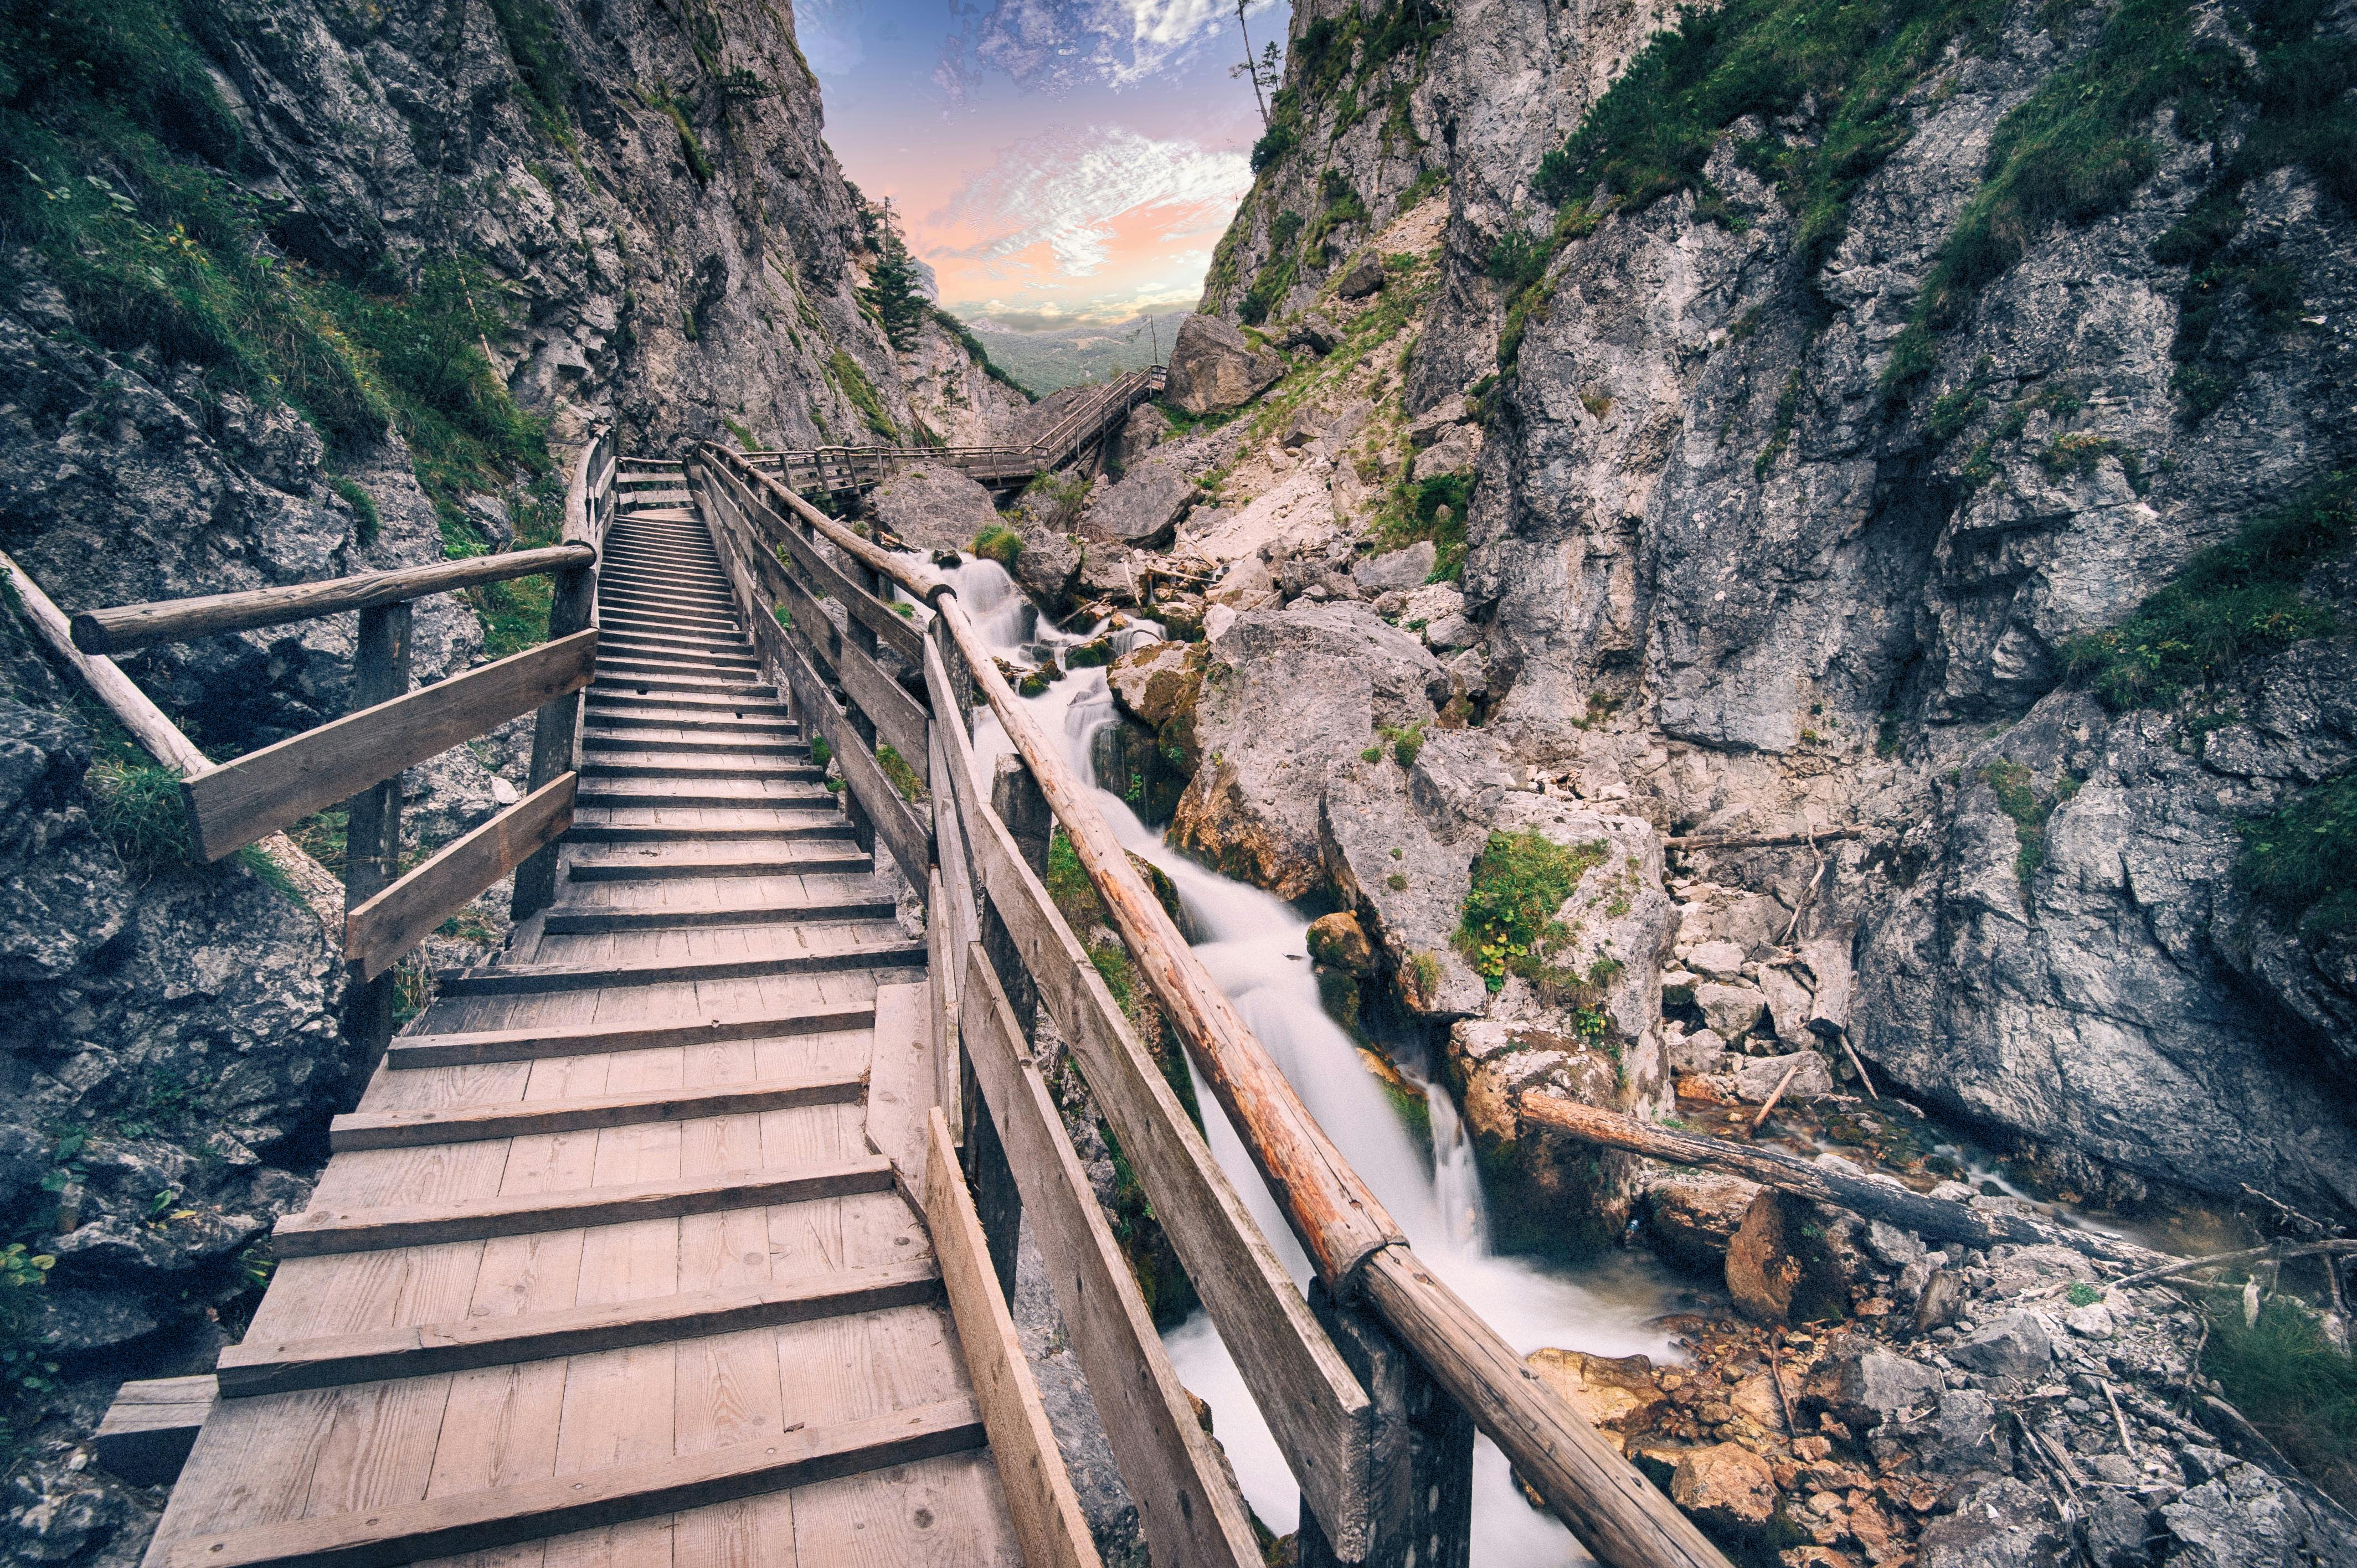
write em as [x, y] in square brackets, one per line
[1255, 947]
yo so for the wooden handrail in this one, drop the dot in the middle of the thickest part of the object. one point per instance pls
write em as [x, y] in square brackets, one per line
[128, 627]
[1356, 1249]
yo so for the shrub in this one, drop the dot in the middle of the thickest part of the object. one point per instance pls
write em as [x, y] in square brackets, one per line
[1519, 880]
[2233, 600]
[135, 805]
[1274, 143]
[2300, 860]
[1000, 543]
[2291, 1384]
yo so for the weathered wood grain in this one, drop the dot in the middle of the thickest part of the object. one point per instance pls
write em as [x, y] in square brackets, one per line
[412, 1129]
[380, 931]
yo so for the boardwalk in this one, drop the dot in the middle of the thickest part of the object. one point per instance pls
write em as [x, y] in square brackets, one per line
[613, 1202]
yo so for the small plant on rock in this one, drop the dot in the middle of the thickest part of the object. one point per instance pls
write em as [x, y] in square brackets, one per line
[1519, 880]
[1000, 543]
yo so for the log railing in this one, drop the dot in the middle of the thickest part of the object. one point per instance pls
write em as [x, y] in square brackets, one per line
[359, 759]
[1372, 1385]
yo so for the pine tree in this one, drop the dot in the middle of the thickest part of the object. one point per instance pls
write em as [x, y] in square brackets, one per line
[893, 291]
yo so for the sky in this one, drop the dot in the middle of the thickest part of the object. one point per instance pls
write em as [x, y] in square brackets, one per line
[1056, 162]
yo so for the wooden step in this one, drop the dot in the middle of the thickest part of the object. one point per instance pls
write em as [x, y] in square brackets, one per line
[751, 724]
[481, 1047]
[636, 580]
[789, 810]
[684, 685]
[319, 1232]
[743, 746]
[519, 1512]
[623, 697]
[656, 642]
[616, 597]
[285, 1365]
[521, 979]
[626, 662]
[410, 1129]
[686, 833]
[147, 1434]
[707, 769]
[622, 619]
[566, 921]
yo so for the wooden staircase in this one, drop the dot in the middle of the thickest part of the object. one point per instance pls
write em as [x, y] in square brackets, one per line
[607, 1265]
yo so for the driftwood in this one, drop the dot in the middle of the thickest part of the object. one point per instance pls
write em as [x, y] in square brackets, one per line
[1936, 1219]
[1754, 840]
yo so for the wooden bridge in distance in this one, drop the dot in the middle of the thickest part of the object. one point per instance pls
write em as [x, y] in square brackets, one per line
[684, 1232]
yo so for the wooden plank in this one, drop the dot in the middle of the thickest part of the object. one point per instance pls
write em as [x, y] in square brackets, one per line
[1039, 1492]
[905, 834]
[264, 791]
[316, 1232]
[900, 1087]
[540, 1042]
[893, 632]
[380, 931]
[1189, 1508]
[129, 626]
[410, 1129]
[147, 1432]
[267, 1366]
[483, 1520]
[496, 981]
[898, 721]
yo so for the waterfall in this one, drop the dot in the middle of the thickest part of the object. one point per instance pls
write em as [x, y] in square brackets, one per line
[1256, 947]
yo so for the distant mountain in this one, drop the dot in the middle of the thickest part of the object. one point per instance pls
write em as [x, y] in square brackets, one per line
[1046, 355]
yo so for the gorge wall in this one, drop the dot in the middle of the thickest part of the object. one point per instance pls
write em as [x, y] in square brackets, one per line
[1931, 423]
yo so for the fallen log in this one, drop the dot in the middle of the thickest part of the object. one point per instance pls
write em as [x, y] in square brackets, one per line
[1759, 841]
[1935, 1218]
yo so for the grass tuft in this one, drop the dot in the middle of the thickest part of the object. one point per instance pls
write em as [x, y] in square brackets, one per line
[2290, 1384]
[1000, 543]
[2300, 860]
[1519, 880]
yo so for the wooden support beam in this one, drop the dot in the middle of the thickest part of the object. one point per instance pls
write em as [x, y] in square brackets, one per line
[529, 1510]
[1936, 1219]
[130, 627]
[264, 791]
[282, 1366]
[1188, 1507]
[472, 1049]
[472, 1123]
[1039, 1496]
[317, 1232]
[906, 834]
[380, 931]
[147, 1434]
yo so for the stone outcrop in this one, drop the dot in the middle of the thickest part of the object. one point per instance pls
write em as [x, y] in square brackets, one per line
[1214, 368]
[1143, 509]
[931, 506]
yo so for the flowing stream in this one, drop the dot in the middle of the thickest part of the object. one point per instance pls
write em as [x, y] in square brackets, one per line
[1256, 947]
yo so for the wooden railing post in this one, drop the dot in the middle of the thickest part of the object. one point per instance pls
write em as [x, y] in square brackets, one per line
[555, 736]
[1421, 1488]
[1016, 800]
[372, 824]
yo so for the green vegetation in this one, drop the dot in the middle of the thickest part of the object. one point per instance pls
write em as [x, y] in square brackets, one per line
[1000, 543]
[2233, 600]
[902, 776]
[136, 806]
[1421, 186]
[690, 148]
[860, 393]
[978, 354]
[2300, 860]
[1278, 274]
[744, 436]
[545, 81]
[2291, 1384]
[2018, 797]
[1519, 880]
[367, 521]
[1430, 508]
[893, 291]
[2082, 1295]
[1406, 741]
[821, 752]
[25, 1371]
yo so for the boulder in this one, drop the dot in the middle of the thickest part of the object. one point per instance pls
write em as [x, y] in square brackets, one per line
[1451, 633]
[1363, 277]
[1694, 1215]
[1334, 673]
[1720, 959]
[1827, 959]
[1789, 1006]
[1701, 1051]
[1314, 331]
[1435, 422]
[1886, 1384]
[1292, 517]
[1605, 1389]
[2015, 1345]
[1141, 511]
[1732, 1010]
[1339, 940]
[1789, 1260]
[1727, 1489]
[1399, 569]
[1108, 573]
[1756, 1078]
[1457, 450]
[1214, 367]
[1140, 434]
[931, 506]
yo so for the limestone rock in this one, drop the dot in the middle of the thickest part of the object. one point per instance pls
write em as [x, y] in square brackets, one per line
[1694, 1215]
[1886, 1384]
[1214, 367]
[1363, 277]
[1701, 1051]
[1140, 434]
[1314, 331]
[1400, 569]
[1791, 1004]
[1788, 1260]
[1292, 516]
[1457, 450]
[1726, 1488]
[1605, 1389]
[2015, 1345]
[1731, 1010]
[1720, 959]
[1339, 940]
[932, 505]
[1154, 683]
[1143, 509]
[1756, 1078]
[1435, 423]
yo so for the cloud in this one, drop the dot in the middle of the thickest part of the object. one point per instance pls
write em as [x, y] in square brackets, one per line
[1066, 191]
[1048, 45]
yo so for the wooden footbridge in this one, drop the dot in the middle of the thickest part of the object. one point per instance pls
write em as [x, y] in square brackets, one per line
[683, 1232]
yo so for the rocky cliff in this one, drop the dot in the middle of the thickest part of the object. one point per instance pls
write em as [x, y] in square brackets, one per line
[289, 290]
[1922, 424]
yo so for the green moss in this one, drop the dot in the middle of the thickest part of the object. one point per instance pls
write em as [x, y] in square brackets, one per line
[744, 436]
[901, 775]
[2016, 796]
[2233, 600]
[860, 393]
[1519, 880]
[1000, 543]
[367, 520]
[2300, 860]
[689, 149]
[544, 81]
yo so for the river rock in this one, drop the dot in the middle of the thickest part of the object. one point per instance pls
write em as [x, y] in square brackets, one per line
[931, 506]
[1791, 1259]
[1727, 1489]
[1143, 509]
[1699, 1051]
[1607, 1390]
[1757, 1078]
[1333, 673]
[1214, 367]
[1339, 940]
[1886, 1384]
[1694, 1215]
[1400, 569]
